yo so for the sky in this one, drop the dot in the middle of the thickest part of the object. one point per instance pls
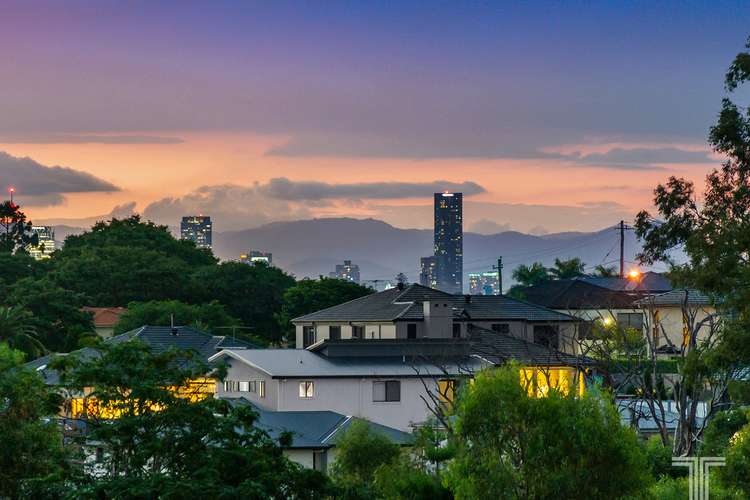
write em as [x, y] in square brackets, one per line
[549, 116]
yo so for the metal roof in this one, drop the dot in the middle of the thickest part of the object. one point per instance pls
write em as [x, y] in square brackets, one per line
[301, 363]
[394, 305]
[315, 429]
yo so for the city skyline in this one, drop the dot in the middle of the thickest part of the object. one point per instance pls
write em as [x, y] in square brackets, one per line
[602, 102]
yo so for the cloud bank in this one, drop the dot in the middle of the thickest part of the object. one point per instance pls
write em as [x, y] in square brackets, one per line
[40, 185]
[87, 139]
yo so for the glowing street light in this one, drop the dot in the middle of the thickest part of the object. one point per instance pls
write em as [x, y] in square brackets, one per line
[11, 190]
[634, 274]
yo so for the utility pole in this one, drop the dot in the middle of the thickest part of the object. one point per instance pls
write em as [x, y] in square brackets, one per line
[622, 249]
[499, 269]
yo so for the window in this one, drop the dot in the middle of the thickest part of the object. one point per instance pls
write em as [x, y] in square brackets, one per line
[388, 390]
[447, 390]
[306, 389]
[411, 330]
[358, 331]
[547, 336]
[456, 330]
[334, 332]
[630, 320]
[320, 461]
[501, 327]
[244, 386]
[231, 386]
[261, 388]
[308, 336]
[252, 386]
[586, 330]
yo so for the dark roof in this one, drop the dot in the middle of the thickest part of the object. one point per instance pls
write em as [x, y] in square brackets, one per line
[406, 304]
[594, 292]
[500, 348]
[678, 297]
[315, 429]
[158, 338]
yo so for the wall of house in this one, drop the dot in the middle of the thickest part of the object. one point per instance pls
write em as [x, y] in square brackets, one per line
[354, 396]
[242, 372]
[304, 457]
[374, 330]
[671, 322]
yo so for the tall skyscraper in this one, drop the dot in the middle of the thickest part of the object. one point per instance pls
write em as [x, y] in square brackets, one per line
[46, 244]
[428, 271]
[449, 241]
[347, 271]
[254, 256]
[483, 283]
[196, 228]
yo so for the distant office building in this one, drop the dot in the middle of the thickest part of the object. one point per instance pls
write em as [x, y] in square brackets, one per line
[197, 228]
[428, 271]
[483, 283]
[254, 256]
[46, 244]
[378, 285]
[346, 271]
[449, 241]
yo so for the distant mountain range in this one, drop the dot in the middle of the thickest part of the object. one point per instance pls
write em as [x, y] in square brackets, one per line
[309, 248]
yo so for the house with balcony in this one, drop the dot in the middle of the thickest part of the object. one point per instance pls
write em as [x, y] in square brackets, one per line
[410, 312]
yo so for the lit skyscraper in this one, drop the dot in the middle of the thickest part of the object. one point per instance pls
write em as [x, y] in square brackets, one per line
[449, 241]
[46, 244]
[428, 271]
[347, 272]
[197, 228]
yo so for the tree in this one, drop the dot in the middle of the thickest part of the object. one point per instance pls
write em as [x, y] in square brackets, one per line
[566, 269]
[603, 271]
[17, 331]
[713, 233]
[402, 279]
[31, 438]
[15, 267]
[359, 453]
[161, 313]
[253, 294]
[15, 230]
[535, 274]
[56, 314]
[313, 295]
[163, 435]
[513, 445]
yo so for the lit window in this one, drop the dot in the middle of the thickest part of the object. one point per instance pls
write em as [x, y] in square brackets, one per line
[539, 381]
[244, 386]
[386, 391]
[447, 390]
[306, 389]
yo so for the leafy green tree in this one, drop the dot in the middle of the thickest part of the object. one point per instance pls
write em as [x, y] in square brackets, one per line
[603, 271]
[313, 295]
[359, 453]
[15, 230]
[404, 479]
[512, 445]
[723, 426]
[251, 293]
[566, 269]
[736, 473]
[56, 314]
[15, 267]
[168, 438]
[535, 274]
[17, 331]
[161, 313]
[31, 439]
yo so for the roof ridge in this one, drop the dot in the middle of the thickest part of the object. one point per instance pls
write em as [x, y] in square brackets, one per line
[343, 303]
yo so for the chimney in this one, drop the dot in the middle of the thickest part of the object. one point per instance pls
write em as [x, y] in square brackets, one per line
[400, 285]
[467, 298]
[173, 328]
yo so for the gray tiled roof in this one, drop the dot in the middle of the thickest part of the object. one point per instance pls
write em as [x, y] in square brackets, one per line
[395, 304]
[159, 339]
[315, 429]
[499, 348]
[677, 297]
[301, 363]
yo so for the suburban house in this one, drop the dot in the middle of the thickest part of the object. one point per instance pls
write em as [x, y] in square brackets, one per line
[392, 382]
[105, 319]
[314, 434]
[416, 312]
[646, 302]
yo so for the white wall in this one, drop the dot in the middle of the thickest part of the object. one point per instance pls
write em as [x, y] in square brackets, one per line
[240, 371]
